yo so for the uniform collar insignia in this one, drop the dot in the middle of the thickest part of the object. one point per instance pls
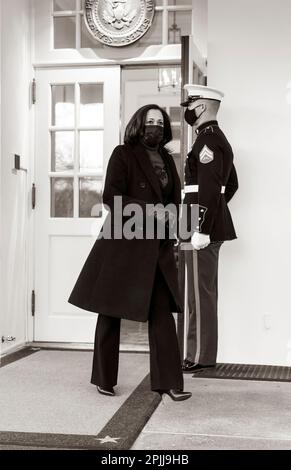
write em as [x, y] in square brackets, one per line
[204, 126]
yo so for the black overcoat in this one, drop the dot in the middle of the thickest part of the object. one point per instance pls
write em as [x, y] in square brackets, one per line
[118, 275]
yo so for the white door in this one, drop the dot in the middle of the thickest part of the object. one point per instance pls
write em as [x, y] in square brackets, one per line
[139, 88]
[77, 127]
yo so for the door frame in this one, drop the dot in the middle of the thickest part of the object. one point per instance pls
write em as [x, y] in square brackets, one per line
[137, 63]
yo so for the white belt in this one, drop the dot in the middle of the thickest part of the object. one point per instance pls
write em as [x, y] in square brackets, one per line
[191, 188]
[194, 188]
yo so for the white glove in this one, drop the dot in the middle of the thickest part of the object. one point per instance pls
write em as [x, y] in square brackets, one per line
[199, 240]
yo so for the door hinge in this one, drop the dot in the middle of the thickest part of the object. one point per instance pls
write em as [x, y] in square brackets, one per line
[33, 303]
[33, 91]
[33, 195]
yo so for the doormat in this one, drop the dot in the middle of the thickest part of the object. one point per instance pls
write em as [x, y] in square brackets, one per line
[119, 433]
[15, 356]
[246, 372]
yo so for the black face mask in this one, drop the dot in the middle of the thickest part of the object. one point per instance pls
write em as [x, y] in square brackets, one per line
[191, 116]
[153, 135]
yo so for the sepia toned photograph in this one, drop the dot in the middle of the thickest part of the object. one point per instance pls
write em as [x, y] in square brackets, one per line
[145, 162]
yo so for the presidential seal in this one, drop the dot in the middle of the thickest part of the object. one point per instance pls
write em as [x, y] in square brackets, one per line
[119, 22]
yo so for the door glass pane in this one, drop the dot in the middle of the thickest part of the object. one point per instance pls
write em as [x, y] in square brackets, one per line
[91, 106]
[175, 114]
[62, 197]
[63, 105]
[91, 150]
[65, 32]
[179, 25]
[61, 5]
[62, 151]
[173, 147]
[90, 197]
[176, 132]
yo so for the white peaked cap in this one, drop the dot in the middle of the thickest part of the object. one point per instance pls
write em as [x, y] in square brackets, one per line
[200, 91]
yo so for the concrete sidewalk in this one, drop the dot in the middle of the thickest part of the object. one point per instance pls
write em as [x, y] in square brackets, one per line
[222, 414]
[46, 401]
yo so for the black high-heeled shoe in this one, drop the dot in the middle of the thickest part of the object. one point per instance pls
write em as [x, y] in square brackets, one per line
[109, 392]
[176, 395]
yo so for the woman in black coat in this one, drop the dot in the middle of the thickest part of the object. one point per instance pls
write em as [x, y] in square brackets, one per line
[131, 272]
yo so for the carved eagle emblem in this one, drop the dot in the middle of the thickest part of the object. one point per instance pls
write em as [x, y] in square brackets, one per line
[118, 13]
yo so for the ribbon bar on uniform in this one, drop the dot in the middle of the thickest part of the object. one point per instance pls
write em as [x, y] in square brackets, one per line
[194, 188]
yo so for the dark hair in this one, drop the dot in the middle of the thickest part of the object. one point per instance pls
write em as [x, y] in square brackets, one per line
[135, 128]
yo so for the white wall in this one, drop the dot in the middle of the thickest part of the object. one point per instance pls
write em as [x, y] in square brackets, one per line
[200, 15]
[1, 253]
[249, 52]
[16, 74]
[45, 54]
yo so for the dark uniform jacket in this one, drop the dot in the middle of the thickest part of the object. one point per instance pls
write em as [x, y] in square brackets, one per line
[209, 166]
[118, 275]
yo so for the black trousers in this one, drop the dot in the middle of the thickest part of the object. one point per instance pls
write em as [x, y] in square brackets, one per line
[202, 339]
[165, 360]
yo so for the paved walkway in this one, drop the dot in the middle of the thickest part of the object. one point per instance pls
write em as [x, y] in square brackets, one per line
[46, 401]
[222, 414]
